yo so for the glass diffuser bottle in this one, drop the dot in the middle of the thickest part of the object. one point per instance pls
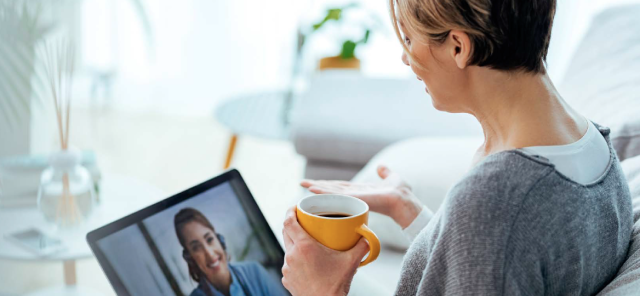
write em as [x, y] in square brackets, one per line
[66, 197]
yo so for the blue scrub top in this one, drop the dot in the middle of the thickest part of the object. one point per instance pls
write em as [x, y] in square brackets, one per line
[255, 279]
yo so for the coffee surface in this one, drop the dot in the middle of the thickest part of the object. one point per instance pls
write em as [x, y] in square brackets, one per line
[333, 215]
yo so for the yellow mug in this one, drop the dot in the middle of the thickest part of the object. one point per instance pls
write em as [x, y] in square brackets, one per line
[338, 222]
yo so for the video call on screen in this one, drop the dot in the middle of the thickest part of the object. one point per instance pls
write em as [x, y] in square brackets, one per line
[222, 241]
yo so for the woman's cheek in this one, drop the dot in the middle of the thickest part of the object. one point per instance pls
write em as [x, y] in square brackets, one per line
[200, 259]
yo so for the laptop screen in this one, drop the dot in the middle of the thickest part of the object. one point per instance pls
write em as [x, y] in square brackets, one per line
[212, 243]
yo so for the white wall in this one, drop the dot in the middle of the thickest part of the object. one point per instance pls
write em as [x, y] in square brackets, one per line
[205, 51]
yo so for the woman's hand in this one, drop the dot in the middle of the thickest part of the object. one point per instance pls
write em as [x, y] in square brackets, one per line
[310, 268]
[391, 196]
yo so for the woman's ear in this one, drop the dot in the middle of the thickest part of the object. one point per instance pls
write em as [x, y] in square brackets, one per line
[460, 47]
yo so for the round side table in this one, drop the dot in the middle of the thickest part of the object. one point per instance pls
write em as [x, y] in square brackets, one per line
[262, 115]
[119, 196]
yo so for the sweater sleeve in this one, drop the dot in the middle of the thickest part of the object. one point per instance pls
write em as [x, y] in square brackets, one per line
[423, 218]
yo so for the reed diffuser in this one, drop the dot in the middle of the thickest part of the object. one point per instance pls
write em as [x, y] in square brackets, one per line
[66, 196]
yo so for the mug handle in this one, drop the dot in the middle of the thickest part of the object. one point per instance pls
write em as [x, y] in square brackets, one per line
[374, 244]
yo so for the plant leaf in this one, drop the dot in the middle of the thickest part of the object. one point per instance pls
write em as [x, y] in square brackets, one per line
[8, 118]
[348, 49]
[15, 73]
[366, 37]
[332, 14]
[319, 25]
[19, 32]
[9, 108]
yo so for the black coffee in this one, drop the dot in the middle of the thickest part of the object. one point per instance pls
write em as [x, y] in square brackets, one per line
[333, 215]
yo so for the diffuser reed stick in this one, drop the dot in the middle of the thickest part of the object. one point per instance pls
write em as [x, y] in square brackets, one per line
[59, 67]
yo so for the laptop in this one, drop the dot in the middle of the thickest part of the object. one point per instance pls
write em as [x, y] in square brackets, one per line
[211, 239]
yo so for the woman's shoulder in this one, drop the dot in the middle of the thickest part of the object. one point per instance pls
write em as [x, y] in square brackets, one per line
[483, 205]
[509, 163]
[512, 182]
[250, 268]
[499, 177]
[245, 265]
[198, 292]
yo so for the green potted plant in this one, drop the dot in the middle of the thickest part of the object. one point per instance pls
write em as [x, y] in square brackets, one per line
[346, 59]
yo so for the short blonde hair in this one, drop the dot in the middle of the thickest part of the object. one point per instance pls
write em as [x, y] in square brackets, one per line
[505, 34]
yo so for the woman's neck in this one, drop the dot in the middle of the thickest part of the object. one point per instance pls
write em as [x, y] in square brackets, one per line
[521, 110]
[223, 285]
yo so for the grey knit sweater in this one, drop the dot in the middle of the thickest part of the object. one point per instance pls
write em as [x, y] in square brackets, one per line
[516, 226]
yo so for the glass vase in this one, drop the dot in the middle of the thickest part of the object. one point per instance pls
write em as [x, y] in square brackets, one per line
[66, 196]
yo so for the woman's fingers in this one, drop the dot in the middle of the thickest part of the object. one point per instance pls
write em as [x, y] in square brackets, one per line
[318, 190]
[388, 175]
[391, 178]
[383, 171]
[306, 183]
[287, 240]
[292, 228]
[328, 187]
[360, 249]
[309, 183]
[325, 189]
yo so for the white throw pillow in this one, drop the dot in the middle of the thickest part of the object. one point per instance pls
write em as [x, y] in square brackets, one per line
[429, 165]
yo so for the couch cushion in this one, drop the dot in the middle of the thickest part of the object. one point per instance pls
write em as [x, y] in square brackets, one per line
[603, 78]
[627, 282]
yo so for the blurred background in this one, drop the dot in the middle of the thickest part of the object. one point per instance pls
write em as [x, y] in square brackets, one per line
[167, 94]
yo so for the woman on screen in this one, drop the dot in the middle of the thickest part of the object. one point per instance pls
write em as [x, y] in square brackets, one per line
[205, 252]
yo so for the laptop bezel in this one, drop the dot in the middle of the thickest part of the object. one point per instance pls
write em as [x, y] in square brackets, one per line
[244, 195]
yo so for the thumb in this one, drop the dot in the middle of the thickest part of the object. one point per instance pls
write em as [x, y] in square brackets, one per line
[360, 249]
[383, 171]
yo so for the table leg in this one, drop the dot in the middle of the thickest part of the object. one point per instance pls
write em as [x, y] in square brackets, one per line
[70, 272]
[231, 150]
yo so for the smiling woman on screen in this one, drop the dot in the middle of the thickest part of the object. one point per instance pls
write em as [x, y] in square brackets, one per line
[205, 252]
[544, 209]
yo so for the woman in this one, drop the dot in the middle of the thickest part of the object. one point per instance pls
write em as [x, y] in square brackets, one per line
[544, 209]
[205, 253]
